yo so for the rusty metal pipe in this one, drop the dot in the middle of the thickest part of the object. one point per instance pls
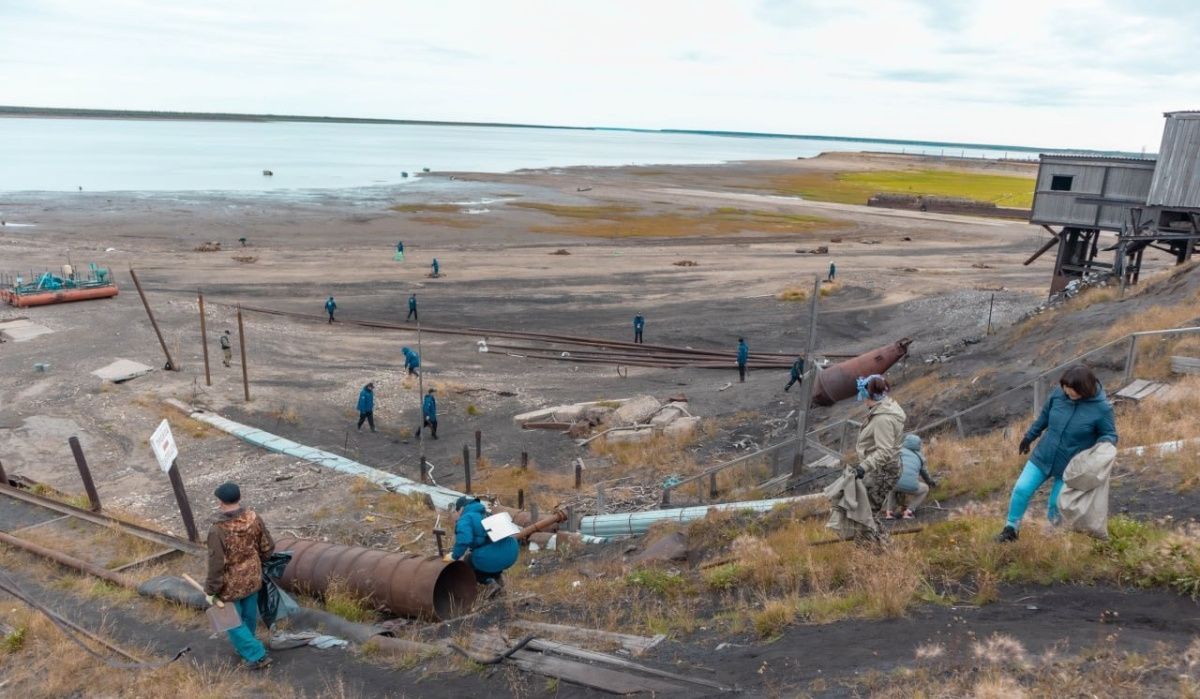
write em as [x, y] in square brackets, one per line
[838, 381]
[69, 561]
[401, 583]
[548, 522]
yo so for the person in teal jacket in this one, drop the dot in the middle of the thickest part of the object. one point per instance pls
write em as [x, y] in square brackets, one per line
[639, 324]
[914, 483]
[797, 372]
[489, 558]
[412, 309]
[1075, 417]
[429, 414]
[412, 361]
[743, 356]
[436, 267]
[330, 307]
[366, 406]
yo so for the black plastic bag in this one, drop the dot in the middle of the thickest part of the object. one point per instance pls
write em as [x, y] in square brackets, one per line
[273, 603]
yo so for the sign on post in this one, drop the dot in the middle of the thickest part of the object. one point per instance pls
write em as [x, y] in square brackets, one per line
[164, 447]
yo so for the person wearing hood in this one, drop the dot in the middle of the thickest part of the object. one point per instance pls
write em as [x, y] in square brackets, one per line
[330, 307]
[639, 324]
[797, 372]
[412, 309]
[412, 361]
[436, 267]
[366, 406]
[914, 483]
[488, 558]
[1076, 416]
[226, 349]
[879, 439]
[238, 543]
[428, 414]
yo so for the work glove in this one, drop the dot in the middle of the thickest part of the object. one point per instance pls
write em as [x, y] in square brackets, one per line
[448, 558]
[211, 599]
[1024, 448]
[859, 472]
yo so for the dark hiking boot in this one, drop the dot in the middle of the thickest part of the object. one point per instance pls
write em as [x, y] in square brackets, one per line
[260, 664]
[1007, 535]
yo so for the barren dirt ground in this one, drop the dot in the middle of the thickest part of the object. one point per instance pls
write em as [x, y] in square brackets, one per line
[929, 277]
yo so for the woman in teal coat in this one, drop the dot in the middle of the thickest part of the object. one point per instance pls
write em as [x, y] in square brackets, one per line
[1075, 417]
[489, 558]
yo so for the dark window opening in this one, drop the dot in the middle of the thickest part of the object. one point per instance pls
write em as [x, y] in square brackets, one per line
[1061, 183]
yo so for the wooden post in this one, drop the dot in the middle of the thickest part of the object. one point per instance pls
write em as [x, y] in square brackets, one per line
[533, 509]
[797, 463]
[524, 460]
[666, 498]
[242, 346]
[1039, 394]
[185, 507]
[85, 473]
[712, 485]
[467, 467]
[1131, 358]
[3, 475]
[204, 339]
[991, 305]
[171, 365]
[520, 498]
[570, 518]
[600, 499]
[810, 377]
[424, 470]
[478, 444]
[578, 474]
[420, 401]
[962, 433]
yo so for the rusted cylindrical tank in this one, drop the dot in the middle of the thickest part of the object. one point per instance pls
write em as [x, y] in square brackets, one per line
[838, 382]
[45, 298]
[401, 583]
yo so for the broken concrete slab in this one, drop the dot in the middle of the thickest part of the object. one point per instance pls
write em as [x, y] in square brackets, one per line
[634, 412]
[122, 370]
[22, 330]
[569, 412]
[668, 414]
[682, 427]
[672, 547]
[626, 436]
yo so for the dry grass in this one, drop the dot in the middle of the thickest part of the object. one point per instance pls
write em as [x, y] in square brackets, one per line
[460, 222]
[344, 602]
[858, 187]
[976, 466]
[618, 221]
[427, 208]
[1154, 318]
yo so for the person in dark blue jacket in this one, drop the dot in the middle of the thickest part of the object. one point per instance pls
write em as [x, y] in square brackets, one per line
[797, 372]
[639, 324]
[412, 361]
[366, 406]
[489, 558]
[429, 414]
[743, 356]
[436, 267]
[330, 307]
[1075, 417]
[412, 309]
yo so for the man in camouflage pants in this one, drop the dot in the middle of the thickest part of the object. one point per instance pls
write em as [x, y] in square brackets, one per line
[879, 441]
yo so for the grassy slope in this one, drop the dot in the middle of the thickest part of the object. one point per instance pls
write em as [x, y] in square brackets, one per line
[857, 187]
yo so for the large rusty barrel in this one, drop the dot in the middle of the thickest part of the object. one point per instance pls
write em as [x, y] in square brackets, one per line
[402, 583]
[838, 382]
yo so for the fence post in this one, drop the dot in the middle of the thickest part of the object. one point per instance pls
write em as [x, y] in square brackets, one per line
[3, 475]
[1131, 358]
[524, 460]
[578, 473]
[520, 498]
[478, 444]
[1039, 394]
[599, 499]
[85, 473]
[712, 486]
[204, 339]
[467, 467]
[666, 498]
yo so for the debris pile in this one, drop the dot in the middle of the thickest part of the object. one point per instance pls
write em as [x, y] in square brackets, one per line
[623, 420]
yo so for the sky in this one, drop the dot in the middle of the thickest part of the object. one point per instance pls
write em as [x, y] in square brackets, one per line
[1051, 73]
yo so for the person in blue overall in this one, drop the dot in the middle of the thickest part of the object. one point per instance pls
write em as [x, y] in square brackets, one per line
[832, 272]
[743, 356]
[412, 361]
[436, 267]
[428, 414]
[488, 558]
[1075, 417]
[366, 406]
[330, 307]
[639, 324]
[412, 309]
[797, 372]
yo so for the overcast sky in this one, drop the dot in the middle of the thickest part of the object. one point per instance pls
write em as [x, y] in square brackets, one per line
[1050, 73]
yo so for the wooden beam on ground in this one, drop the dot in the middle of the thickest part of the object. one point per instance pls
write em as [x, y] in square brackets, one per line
[591, 655]
[636, 645]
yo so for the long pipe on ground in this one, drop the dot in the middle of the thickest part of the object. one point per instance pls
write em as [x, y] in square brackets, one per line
[637, 523]
[69, 561]
[401, 583]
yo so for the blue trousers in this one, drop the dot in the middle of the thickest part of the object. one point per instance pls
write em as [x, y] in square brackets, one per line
[242, 638]
[1031, 479]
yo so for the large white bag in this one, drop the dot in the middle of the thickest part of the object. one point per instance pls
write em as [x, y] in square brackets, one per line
[1083, 502]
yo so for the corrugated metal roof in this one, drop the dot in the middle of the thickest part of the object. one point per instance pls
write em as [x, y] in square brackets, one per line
[1098, 159]
[1186, 114]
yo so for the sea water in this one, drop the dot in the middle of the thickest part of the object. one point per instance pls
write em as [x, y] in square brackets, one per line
[145, 155]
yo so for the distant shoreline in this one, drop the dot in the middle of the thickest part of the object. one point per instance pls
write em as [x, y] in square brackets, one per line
[73, 113]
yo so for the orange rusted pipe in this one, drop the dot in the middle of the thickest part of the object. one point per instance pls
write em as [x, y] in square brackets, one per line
[838, 382]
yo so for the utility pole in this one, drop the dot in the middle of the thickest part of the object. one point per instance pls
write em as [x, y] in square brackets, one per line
[421, 403]
[171, 365]
[204, 339]
[810, 378]
[242, 345]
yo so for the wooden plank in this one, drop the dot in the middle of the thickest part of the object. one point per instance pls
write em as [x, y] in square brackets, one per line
[584, 654]
[636, 645]
[1185, 365]
[600, 678]
[40, 524]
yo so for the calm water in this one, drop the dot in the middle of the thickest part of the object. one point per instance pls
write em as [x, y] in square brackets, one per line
[114, 155]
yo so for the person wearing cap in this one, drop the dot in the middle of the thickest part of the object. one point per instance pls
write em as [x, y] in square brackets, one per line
[429, 414]
[639, 324]
[366, 406]
[488, 558]
[226, 349]
[238, 543]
